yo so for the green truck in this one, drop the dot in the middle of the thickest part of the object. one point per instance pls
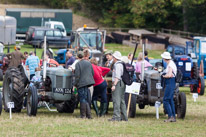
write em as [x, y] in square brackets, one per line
[37, 17]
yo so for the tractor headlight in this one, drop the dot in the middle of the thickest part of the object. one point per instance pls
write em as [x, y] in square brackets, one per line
[159, 69]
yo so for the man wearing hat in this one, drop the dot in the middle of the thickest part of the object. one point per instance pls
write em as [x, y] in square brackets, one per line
[169, 87]
[118, 90]
[15, 57]
[109, 58]
[83, 79]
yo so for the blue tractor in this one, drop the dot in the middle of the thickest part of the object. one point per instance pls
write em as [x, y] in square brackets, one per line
[185, 61]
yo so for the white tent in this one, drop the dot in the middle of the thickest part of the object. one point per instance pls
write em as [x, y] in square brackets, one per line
[7, 30]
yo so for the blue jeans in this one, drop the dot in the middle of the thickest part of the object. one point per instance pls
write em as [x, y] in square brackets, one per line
[100, 89]
[168, 96]
[83, 93]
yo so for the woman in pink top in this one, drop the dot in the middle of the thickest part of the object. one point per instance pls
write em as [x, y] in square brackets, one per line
[100, 87]
[139, 63]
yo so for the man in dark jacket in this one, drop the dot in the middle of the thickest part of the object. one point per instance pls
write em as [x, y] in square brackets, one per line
[15, 57]
[83, 79]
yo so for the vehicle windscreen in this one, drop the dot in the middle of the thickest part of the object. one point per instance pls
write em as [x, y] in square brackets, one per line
[60, 27]
[203, 47]
[92, 39]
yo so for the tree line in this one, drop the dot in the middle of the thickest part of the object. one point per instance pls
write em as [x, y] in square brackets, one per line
[187, 15]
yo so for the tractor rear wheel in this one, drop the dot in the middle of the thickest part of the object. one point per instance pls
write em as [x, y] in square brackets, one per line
[13, 89]
[195, 71]
[67, 106]
[32, 101]
[181, 105]
[198, 88]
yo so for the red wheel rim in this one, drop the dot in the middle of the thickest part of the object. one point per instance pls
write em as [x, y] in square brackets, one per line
[199, 86]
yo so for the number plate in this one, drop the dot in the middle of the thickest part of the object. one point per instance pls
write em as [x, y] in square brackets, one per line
[62, 90]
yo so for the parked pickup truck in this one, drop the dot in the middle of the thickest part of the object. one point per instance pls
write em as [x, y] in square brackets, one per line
[55, 38]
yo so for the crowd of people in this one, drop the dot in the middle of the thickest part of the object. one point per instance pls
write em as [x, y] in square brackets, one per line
[90, 82]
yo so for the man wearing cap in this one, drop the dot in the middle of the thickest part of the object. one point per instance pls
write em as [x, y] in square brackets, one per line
[15, 57]
[169, 87]
[118, 90]
[83, 79]
[109, 57]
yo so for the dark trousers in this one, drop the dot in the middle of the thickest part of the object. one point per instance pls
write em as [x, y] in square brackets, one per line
[83, 94]
[100, 89]
[168, 96]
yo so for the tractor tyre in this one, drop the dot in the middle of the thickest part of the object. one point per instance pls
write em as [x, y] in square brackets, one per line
[0, 103]
[132, 109]
[198, 88]
[67, 106]
[1, 75]
[181, 105]
[141, 106]
[13, 89]
[201, 86]
[32, 101]
[195, 71]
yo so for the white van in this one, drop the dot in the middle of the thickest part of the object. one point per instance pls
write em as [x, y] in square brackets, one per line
[56, 25]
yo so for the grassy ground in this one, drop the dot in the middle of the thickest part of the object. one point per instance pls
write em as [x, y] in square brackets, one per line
[145, 124]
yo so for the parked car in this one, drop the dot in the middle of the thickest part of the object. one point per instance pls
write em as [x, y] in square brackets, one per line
[56, 25]
[55, 38]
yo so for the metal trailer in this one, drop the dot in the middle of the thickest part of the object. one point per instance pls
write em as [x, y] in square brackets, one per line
[7, 30]
[37, 17]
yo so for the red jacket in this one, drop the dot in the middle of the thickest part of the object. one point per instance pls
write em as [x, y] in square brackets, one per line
[99, 73]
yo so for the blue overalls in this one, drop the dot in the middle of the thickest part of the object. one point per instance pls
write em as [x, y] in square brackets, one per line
[168, 96]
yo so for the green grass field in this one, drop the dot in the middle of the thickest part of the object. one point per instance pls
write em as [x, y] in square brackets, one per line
[56, 124]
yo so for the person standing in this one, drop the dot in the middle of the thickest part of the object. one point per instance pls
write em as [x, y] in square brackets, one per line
[100, 88]
[70, 60]
[15, 57]
[169, 87]
[109, 58]
[32, 62]
[118, 90]
[83, 79]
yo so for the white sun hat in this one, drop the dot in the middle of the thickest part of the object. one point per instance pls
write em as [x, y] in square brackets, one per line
[166, 55]
[125, 59]
[117, 55]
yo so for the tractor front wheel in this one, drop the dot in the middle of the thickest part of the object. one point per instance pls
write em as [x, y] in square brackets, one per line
[32, 101]
[181, 105]
[199, 87]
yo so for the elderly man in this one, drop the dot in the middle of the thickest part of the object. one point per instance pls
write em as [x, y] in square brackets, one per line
[118, 90]
[70, 60]
[15, 57]
[83, 79]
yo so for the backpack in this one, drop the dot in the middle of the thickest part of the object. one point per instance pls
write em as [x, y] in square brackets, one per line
[178, 76]
[128, 72]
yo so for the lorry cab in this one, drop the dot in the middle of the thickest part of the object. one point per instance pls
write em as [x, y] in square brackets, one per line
[56, 25]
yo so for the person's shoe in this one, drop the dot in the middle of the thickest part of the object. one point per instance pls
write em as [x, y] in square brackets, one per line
[171, 119]
[83, 110]
[94, 103]
[103, 109]
[113, 120]
[88, 111]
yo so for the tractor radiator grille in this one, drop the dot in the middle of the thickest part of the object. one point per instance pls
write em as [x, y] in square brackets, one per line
[59, 82]
[154, 91]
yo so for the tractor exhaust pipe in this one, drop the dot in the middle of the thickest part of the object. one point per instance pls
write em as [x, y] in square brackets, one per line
[44, 65]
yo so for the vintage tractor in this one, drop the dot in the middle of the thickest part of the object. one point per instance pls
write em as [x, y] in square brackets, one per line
[187, 62]
[89, 38]
[54, 86]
